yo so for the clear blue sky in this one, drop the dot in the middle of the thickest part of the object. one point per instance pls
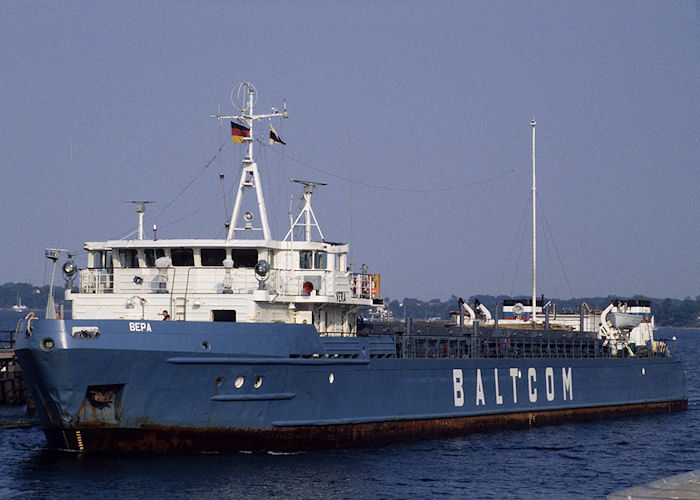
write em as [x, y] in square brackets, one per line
[424, 105]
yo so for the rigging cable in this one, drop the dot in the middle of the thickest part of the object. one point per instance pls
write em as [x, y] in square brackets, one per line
[171, 223]
[390, 188]
[192, 181]
[182, 191]
[519, 236]
[308, 165]
[221, 170]
[556, 250]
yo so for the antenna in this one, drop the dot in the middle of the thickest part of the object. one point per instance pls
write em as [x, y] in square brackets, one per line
[52, 254]
[223, 190]
[534, 229]
[244, 97]
[140, 209]
[307, 211]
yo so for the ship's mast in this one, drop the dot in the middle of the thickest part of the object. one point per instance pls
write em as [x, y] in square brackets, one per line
[534, 230]
[140, 209]
[244, 97]
[307, 212]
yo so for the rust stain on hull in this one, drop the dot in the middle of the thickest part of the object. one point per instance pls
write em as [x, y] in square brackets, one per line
[160, 438]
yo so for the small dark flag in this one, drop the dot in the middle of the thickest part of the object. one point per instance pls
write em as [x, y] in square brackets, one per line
[239, 132]
[274, 138]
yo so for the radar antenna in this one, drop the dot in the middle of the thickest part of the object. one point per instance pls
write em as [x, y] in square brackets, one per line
[307, 212]
[244, 97]
[140, 209]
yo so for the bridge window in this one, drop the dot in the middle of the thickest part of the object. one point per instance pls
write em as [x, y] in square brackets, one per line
[151, 254]
[182, 256]
[128, 258]
[244, 257]
[100, 259]
[213, 256]
[339, 259]
[305, 259]
[320, 260]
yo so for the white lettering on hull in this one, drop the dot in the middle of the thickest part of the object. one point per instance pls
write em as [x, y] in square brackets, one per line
[499, 398]
[479, 389]
[531, 389]
[139, 327]
[566, 383]
[549, 383]
[457, 381]
[515, 375]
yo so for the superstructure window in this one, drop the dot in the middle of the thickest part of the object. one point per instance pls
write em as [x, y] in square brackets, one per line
[313, 260]
[244, 257]
[151, 254]
[223, 315]
[129, 258]
[339, 257]
[182, 256]
[320, 260]
[213, 256]
[305, 259]
[98, 259]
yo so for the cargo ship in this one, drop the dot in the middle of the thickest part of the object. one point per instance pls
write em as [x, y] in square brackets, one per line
[254, 343]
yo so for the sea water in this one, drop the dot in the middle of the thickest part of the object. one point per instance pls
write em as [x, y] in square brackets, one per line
[583, 460]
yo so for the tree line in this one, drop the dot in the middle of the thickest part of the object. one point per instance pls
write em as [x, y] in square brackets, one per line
[667, 312]
[34, 297]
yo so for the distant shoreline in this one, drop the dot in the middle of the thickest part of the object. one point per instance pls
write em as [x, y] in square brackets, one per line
[679, 327]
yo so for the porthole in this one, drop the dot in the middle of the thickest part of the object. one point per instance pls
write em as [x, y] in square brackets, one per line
[219, 381]
[258, 382]
[47, 344]
[331, 378]
[206, 346]
[238, 383]
[644, 371]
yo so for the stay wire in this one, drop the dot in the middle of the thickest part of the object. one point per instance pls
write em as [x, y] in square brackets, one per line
[519, 237]
[192, 181]
[181, 192]
[556, 249]
[191, 214]
[313, 167]
[390, 188]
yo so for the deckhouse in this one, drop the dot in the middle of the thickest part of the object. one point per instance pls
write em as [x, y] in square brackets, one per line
[231, 279]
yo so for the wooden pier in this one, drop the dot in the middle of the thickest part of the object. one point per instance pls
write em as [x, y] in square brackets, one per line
[13, 389]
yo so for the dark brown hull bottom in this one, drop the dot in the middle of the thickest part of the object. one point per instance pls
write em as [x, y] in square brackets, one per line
[157, 438]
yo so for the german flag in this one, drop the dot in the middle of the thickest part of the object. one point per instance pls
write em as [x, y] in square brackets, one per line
[239, 132]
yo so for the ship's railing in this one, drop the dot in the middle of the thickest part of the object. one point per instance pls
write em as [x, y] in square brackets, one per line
[171, 280]
[510, 347]
[96, 281]
[7, 339]
[364, 286]
[337, 333]
[187, 280]
[190, 280]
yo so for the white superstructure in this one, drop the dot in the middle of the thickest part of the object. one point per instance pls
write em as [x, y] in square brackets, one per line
[231, 279]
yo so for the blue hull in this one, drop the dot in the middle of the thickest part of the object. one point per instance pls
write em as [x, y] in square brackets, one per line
[163, 386]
